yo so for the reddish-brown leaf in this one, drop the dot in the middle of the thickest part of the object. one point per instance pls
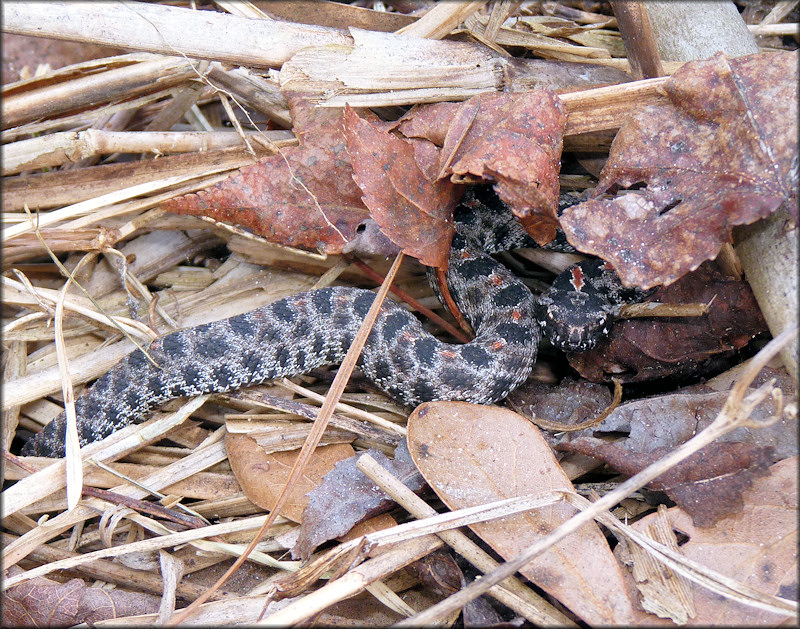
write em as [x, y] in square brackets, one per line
[346, 497]
[708, 484]
[303, 197]
[412, 207]
[511, 140]
[471, 454]
[43, 602]
[722, 154]
[644, 349]
[757, 547]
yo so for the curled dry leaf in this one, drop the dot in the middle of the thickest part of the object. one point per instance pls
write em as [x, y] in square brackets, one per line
[43, 602]
[708, 484]
[511, 140]
[263, 476]
[644, 349]
[471, 454]
[303, 197]
[346, 497]
[413, 208]
[722, 154]
[757, 547]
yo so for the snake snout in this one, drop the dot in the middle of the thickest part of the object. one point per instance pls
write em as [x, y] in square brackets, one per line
[586, 324]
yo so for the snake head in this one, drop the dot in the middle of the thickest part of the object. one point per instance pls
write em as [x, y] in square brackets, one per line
[573, 321]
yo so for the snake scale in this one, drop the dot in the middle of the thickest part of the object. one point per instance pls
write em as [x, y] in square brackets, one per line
[296, 334]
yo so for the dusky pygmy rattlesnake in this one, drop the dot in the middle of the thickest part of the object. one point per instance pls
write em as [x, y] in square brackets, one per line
[296, 334]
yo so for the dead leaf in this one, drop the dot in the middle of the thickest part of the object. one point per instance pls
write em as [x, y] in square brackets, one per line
[708, 484]
[346, 497]
[666, 421]
[43, 602]
[645, 349]
[757, 547]
[511, 140]
[304, 197]
[413, 209]
[723, 153]
[263, 476]
[472, 454]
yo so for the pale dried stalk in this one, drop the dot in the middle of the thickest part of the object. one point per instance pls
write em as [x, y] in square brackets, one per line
[735, 413]
[511, 592]
[692, 570]
[52, 478]
[148, 545]
[92, 205]
[441, 19]
[169, 30]
[345, 409]
[15, 293]
[65, 147]
[134, 80]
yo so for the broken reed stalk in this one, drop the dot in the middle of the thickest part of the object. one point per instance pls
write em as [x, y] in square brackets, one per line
[55, 149]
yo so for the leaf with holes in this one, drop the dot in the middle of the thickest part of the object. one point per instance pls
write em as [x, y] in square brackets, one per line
[722, 153]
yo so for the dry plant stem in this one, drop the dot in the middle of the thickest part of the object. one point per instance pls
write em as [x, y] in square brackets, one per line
[67, 187]
[52, 478]
[335, 392]
[605, 108]
[441, 19]
[66, 147]
[169, 30]
[88, 207]
[637, 34]
[692, 570]
[128, 82]
[353, 581]
[655, 309]
[734, 414]
[103, 570]
[147, 545]
[510, 592]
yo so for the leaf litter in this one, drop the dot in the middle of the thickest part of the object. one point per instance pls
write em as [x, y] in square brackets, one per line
[318, 195]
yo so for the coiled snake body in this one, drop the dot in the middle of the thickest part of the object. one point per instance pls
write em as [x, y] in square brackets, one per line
[296, 334]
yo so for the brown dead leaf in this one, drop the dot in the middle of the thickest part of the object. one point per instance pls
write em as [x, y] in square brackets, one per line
[644, 349]
[43, 602]
[666, 421]
[413, 209]
[346, 497]
[472, 454]
[511, 140]
[263, 476]
[757, 547]
[708, 484]
[722, 154]
[304, 197]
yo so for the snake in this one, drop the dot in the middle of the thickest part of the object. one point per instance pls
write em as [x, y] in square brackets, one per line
[296, 334]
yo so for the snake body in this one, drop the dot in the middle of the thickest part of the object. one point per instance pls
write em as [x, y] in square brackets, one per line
[296, 334]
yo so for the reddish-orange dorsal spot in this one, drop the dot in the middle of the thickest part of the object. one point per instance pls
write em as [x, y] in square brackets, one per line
[498, 345]
[446, 353]
[516, 315]
[495, 279]
[577, 278]
[465, 255]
